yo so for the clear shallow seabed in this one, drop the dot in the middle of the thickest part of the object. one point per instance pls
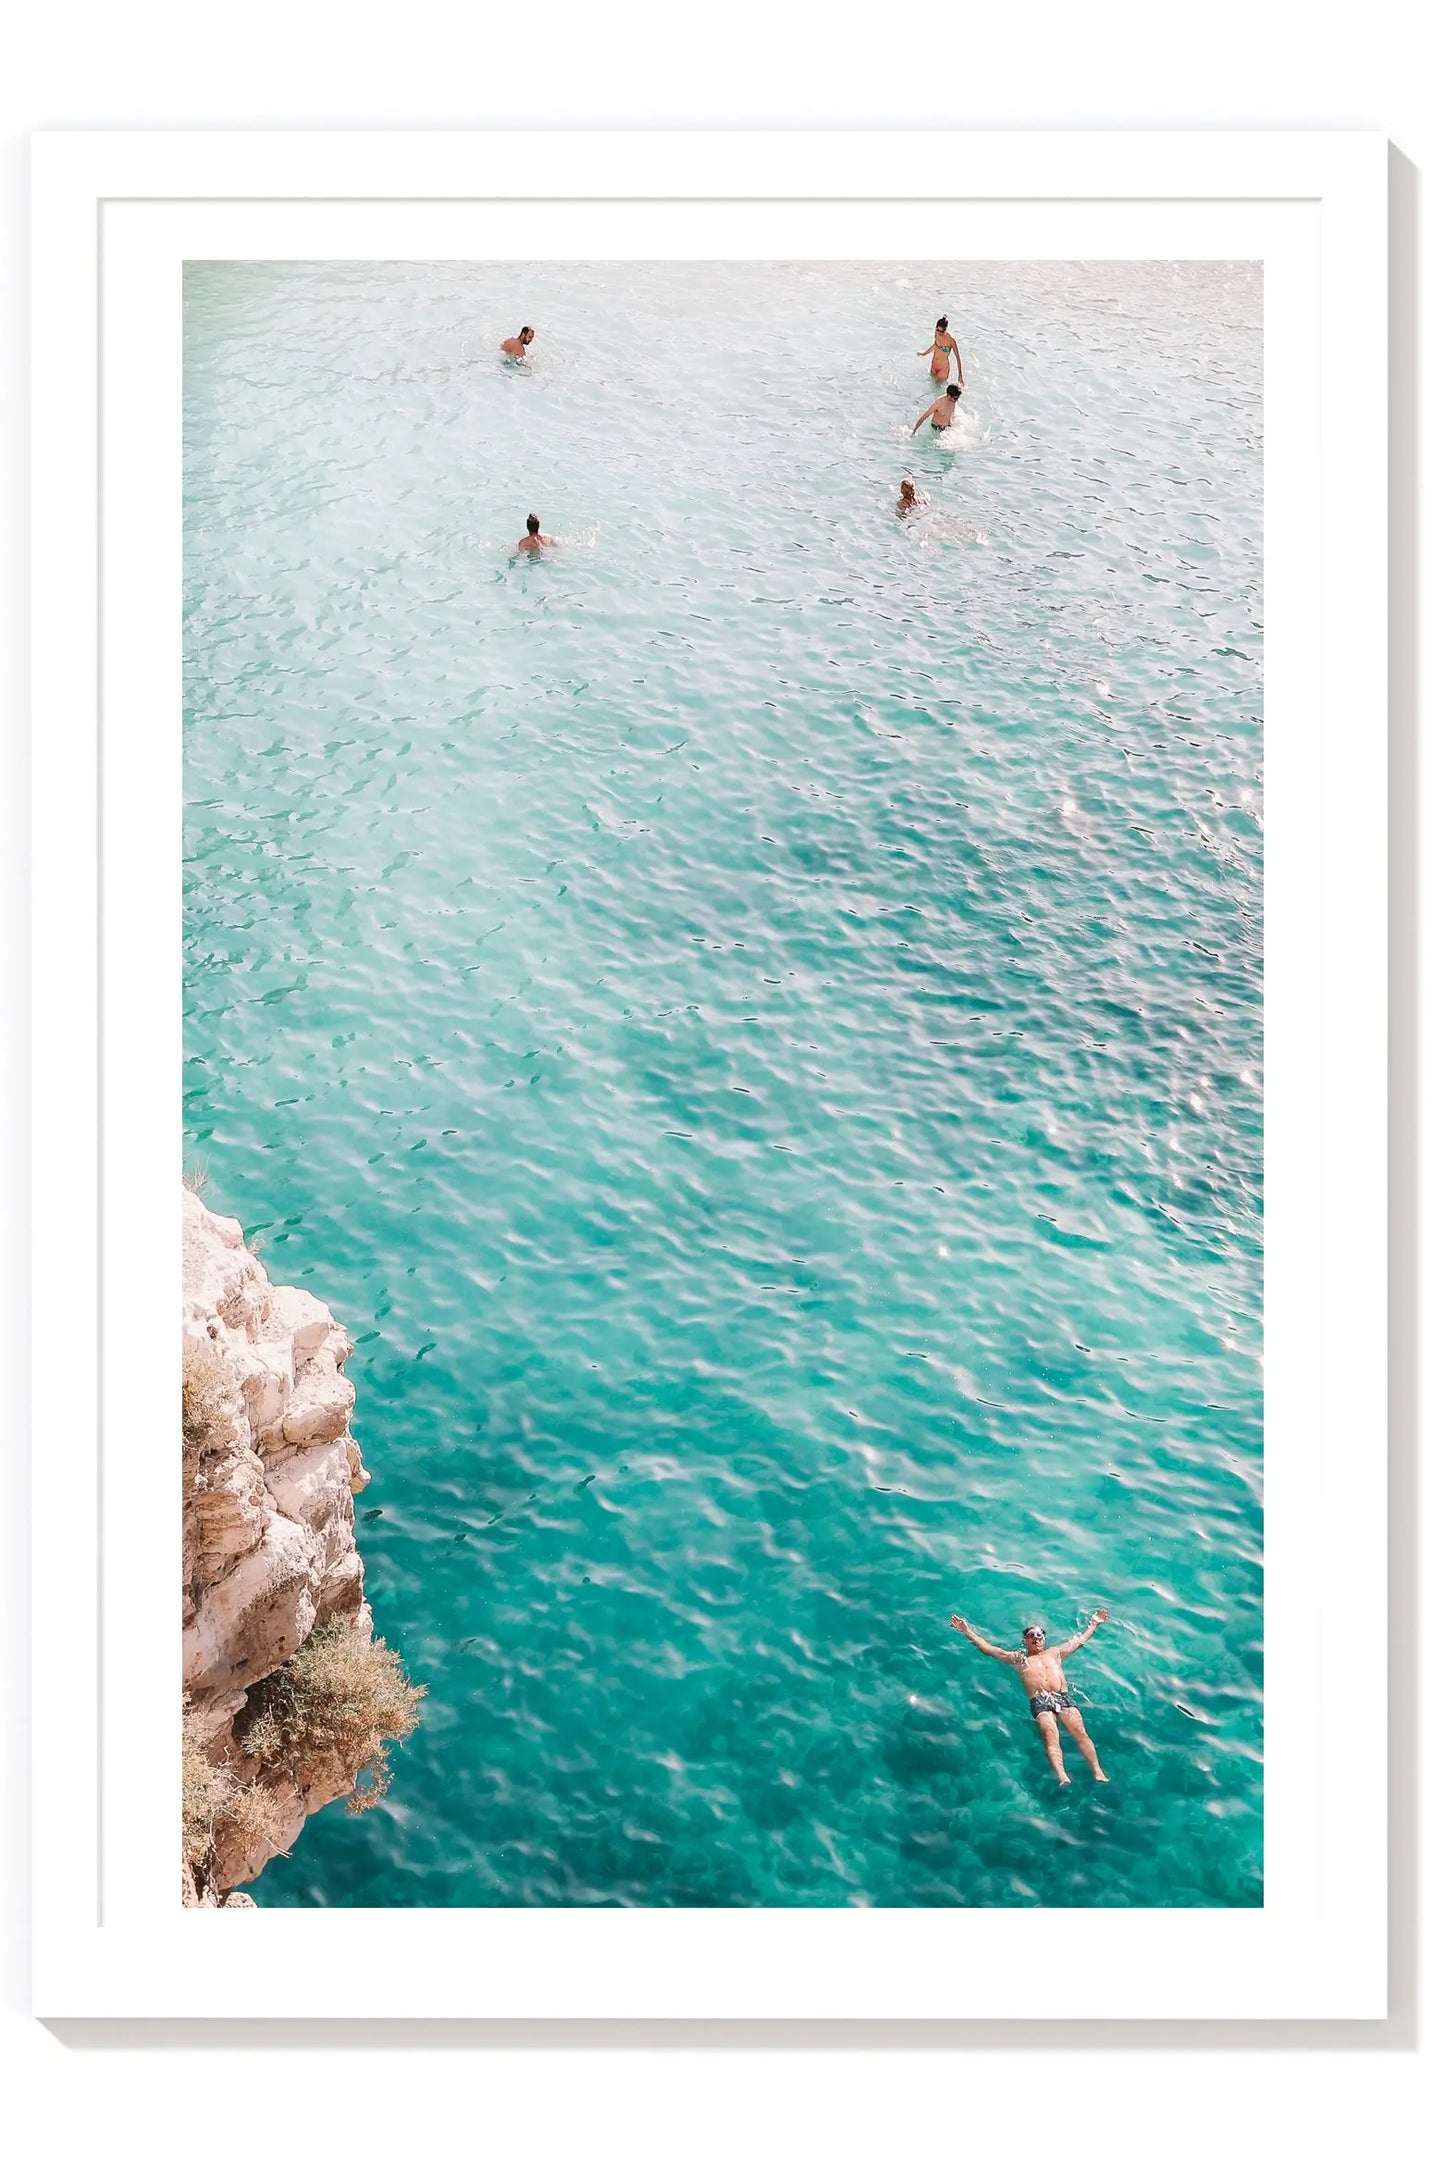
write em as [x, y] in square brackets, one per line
[755, 1023]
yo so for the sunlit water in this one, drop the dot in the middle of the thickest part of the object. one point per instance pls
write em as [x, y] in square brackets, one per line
[755, 1023]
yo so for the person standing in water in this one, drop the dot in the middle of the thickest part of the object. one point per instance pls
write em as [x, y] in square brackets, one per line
[941, 412]
[945, 352]
[516, 349]
[534, 541]
[1041, 1674]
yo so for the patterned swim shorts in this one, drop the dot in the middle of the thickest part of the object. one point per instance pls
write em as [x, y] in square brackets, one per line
[1049, 1704]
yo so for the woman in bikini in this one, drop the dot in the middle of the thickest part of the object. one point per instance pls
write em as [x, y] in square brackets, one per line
[944, 351]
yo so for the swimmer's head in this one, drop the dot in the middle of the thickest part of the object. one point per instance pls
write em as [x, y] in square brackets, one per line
[526, 334]
[905, 491]
[942, 324]
[534, 524]
[1034, 1638]
[953, 391]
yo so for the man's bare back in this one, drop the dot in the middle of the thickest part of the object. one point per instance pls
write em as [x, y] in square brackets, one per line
[534, 541]
[1041, 1673]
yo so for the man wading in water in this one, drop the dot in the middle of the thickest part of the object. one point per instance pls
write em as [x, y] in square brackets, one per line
[941, 412]
[1041, 1673]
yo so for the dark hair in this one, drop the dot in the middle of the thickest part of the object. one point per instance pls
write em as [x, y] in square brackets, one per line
[534, 524]
[942, 324]
[953, 391]
[526, 332]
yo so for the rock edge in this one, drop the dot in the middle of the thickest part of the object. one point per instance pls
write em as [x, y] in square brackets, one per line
[268, 1541]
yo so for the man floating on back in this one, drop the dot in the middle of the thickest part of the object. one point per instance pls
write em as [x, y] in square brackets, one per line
[1041, 1673]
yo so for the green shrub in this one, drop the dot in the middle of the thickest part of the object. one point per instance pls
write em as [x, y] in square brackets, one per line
[329, 1714]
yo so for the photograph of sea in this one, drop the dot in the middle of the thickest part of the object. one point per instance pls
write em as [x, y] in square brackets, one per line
[723, 1083]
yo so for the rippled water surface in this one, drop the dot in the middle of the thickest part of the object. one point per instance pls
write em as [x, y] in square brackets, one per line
[754, 1021]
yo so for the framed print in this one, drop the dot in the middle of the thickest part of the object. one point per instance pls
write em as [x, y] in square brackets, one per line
[743, 777]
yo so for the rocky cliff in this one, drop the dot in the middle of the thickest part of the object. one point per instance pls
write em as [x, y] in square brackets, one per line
[288, 1697]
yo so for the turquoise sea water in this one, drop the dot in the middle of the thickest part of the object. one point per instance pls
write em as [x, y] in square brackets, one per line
[755, 1023]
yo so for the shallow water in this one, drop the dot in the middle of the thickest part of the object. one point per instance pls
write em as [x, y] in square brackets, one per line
[754, 1022]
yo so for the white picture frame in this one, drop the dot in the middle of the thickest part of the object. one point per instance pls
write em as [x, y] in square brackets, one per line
[115, 217]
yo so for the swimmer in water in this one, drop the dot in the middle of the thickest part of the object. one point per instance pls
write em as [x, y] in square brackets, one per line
[908, 500]
[534, 541]
[1041, 1674]
[516, 349]
[944, 351]
[941, 412]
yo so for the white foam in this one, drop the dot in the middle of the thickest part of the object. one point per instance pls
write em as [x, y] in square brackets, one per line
[964, 433]
[932, 525]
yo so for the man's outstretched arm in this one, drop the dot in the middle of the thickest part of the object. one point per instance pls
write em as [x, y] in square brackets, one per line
[1002, 1655]
[1076, 1640]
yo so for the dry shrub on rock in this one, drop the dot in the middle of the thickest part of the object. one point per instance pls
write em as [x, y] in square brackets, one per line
[217, 1807]
[328, 1715]
[205, 1392]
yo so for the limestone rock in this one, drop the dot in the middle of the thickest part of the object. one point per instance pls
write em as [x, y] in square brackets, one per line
[211, 1726]
[359, 1476]
[319, 1409]
[267, 1372]
[229, 1512]
[299, 1317]
[314, 1488]
[268, 1549]
[337, 1347]
[218, 1270]
[256, 1616]
[340, 1593]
